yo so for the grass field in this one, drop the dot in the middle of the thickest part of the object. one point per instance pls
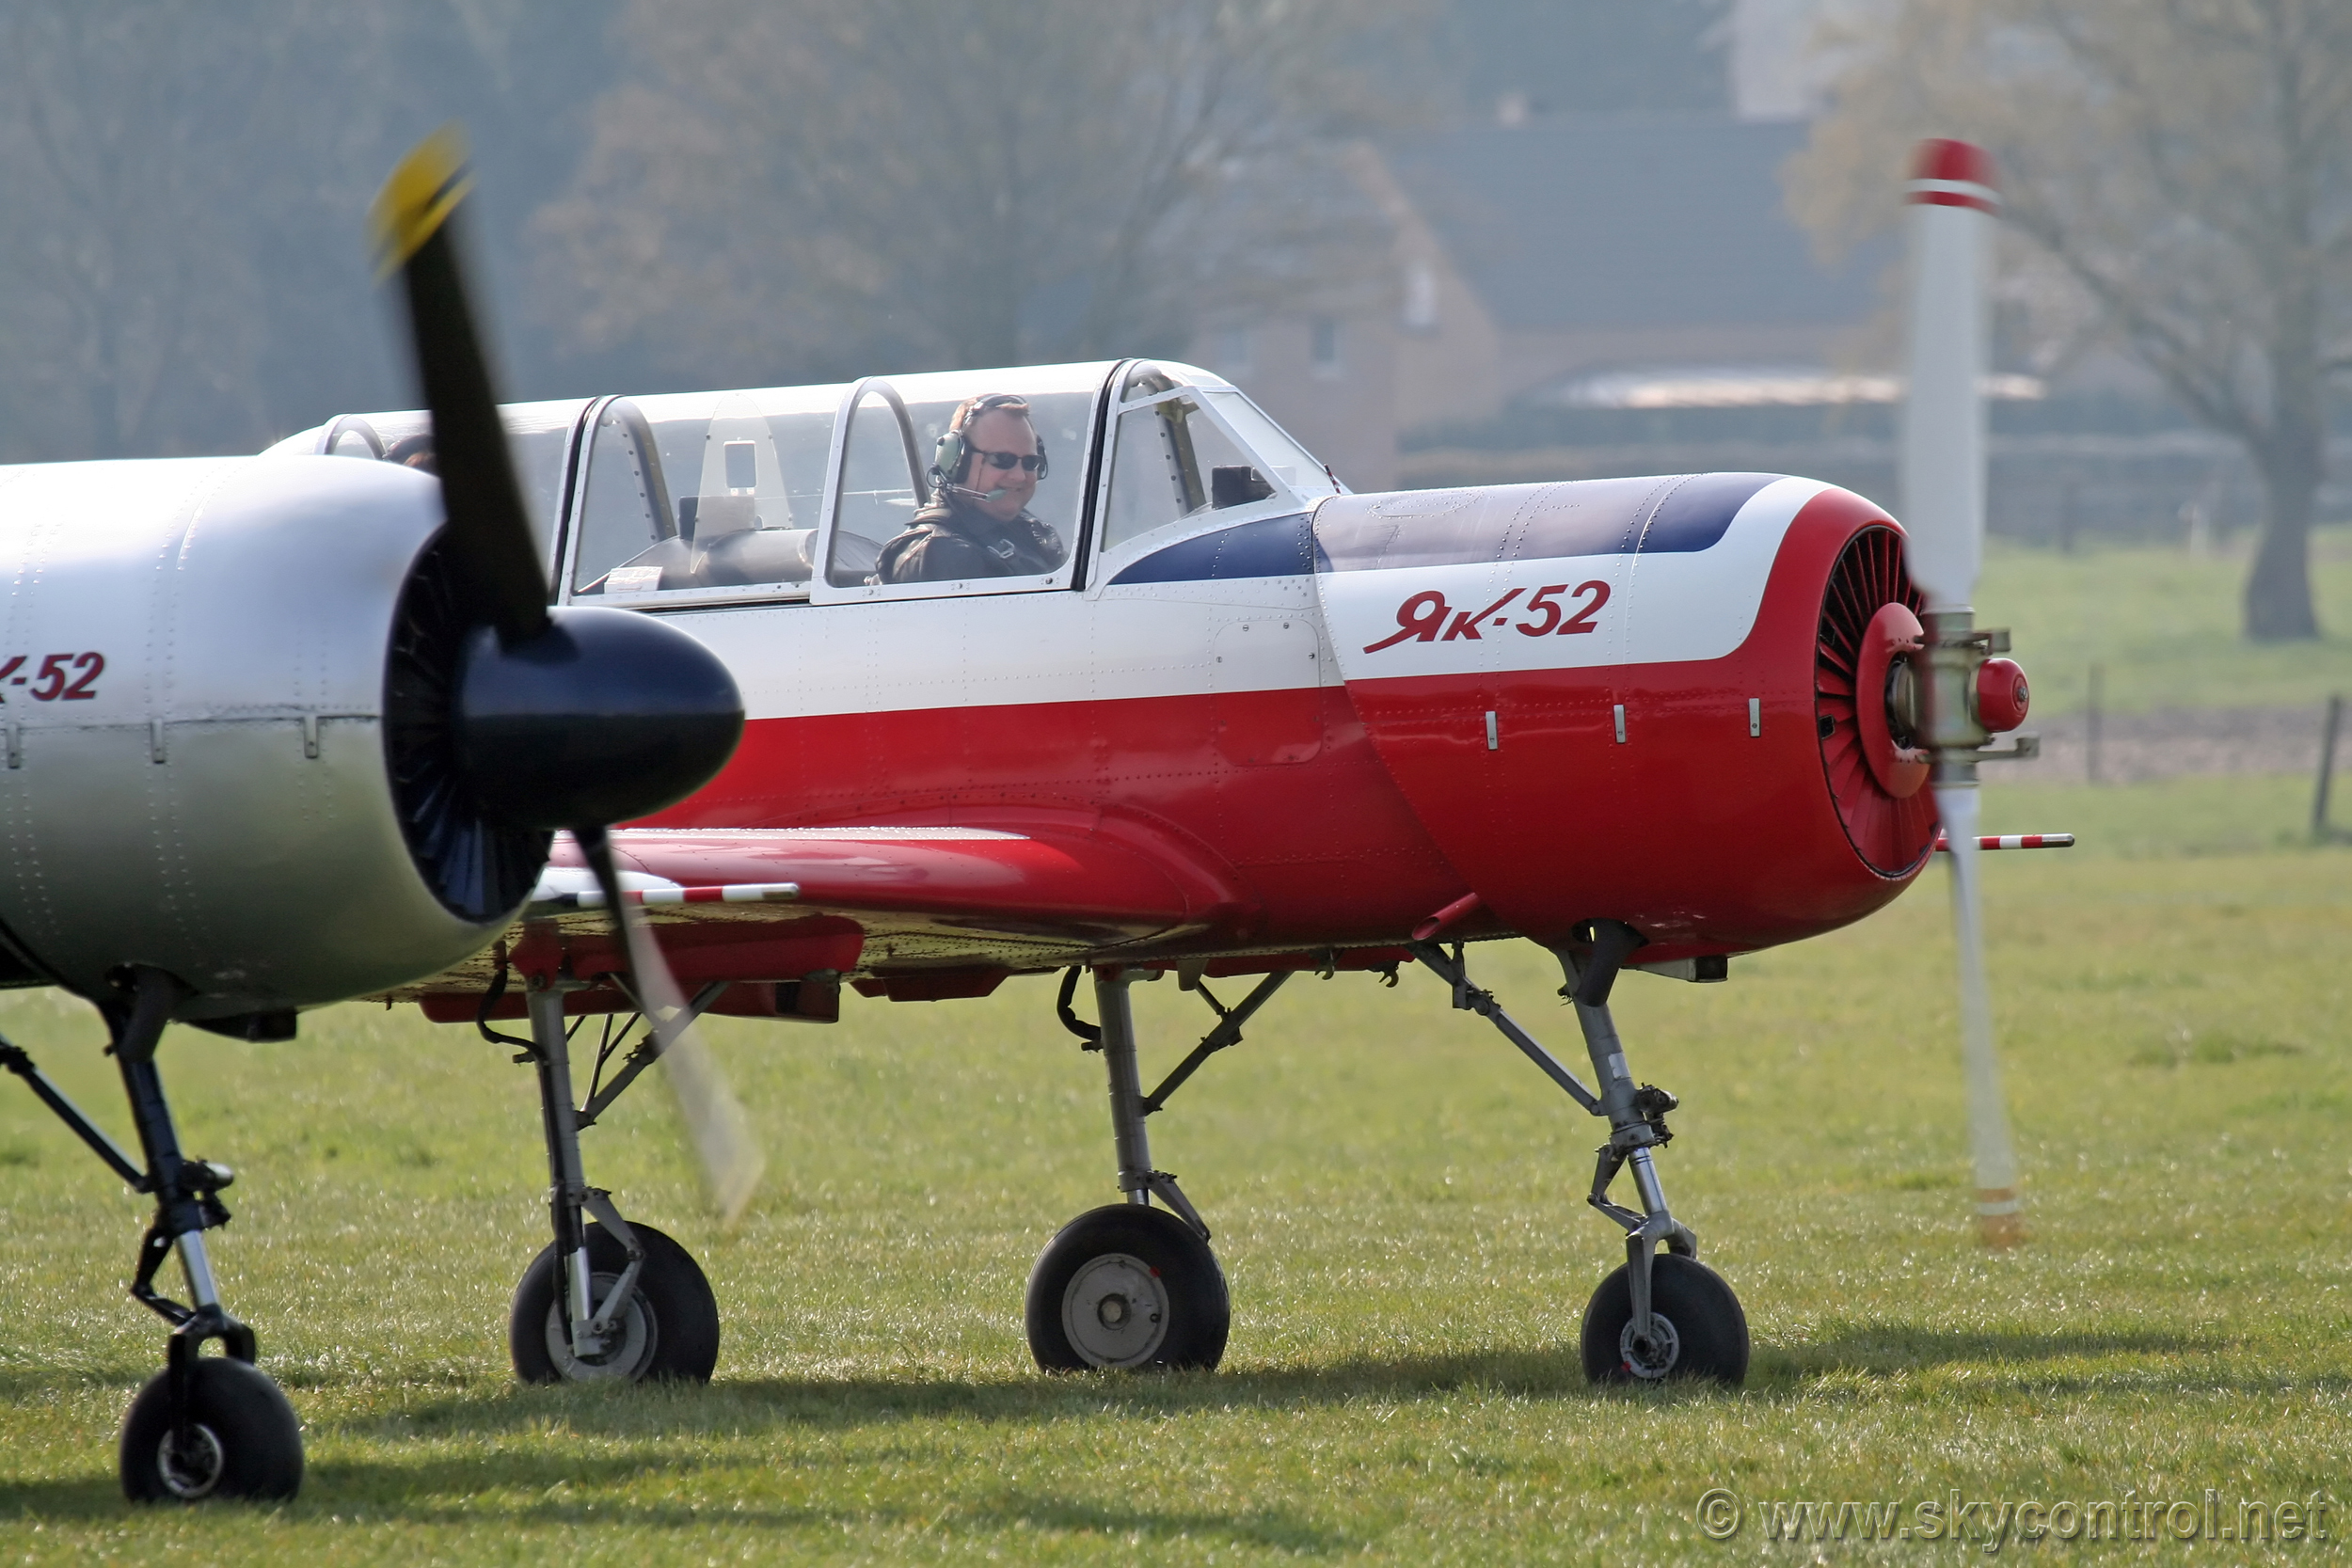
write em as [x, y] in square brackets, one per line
[1398, 1203]
[2163, 624]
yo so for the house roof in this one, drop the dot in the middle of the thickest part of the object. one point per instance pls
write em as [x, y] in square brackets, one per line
[1590, 222]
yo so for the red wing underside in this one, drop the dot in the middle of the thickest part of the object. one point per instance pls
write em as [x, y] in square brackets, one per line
[953, 909]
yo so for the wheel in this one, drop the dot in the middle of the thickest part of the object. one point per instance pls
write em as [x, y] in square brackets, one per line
[1705, 1333]
[1127, 1286]
[246, 1441]
[668, 1329]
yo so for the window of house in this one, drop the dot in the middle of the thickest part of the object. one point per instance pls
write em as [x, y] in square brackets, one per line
[1322, 344]
[1233, 348]
[1420, 297]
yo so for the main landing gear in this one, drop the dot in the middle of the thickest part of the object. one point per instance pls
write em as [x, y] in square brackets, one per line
[204, 1426]
[608, 1301]
[1128, 1285]
[1659, 1316]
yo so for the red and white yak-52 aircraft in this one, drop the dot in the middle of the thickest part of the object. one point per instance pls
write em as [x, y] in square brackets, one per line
[1251, 724]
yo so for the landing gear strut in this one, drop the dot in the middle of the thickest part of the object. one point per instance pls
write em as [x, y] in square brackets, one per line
[204, 1426]
[611, 1301]
[1128, 1285]
[1657, 1316]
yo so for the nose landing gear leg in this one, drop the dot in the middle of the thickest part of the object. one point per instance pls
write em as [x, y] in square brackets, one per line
[204, 1426]
[1661, 1315]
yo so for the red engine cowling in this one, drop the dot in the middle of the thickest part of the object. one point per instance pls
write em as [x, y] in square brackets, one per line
[1639, 701]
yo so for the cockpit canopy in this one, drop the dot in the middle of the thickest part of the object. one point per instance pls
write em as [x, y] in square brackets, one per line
[791, 492]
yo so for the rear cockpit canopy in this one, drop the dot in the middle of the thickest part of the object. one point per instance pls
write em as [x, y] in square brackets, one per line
[791, 492]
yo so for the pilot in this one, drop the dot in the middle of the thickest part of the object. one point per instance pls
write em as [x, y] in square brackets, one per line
[414, 452]
[983, 474]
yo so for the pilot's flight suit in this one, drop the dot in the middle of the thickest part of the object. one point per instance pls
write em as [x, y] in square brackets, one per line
[952, 540]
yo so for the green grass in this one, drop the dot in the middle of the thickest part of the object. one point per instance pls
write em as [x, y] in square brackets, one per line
[2163, 624]
[2226, 815]
[1398, 1202]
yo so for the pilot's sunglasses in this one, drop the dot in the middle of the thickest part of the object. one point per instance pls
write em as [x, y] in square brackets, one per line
[1029, 461]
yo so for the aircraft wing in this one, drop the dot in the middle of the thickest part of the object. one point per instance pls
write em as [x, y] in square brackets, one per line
[919, 911]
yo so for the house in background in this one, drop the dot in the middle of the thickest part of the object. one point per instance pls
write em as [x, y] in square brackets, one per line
[1409, 344]
[1580, 294]
[1601, 246]
[1530, 256]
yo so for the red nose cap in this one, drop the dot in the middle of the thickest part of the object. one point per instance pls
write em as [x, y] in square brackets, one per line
[2002, 698]
[1953, 174]
[1940, 158]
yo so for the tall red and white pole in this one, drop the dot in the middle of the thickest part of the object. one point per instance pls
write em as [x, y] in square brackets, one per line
[1952, 200]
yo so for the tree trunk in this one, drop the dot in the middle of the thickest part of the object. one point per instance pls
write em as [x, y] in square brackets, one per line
[2279, 589]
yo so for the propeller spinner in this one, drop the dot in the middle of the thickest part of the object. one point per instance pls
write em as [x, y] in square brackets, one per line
[569, 717]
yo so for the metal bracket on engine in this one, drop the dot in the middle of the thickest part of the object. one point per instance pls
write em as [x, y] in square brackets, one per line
[1956, 650]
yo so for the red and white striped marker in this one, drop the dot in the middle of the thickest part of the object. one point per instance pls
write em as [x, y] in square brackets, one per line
[2012, 841]
[655, 897]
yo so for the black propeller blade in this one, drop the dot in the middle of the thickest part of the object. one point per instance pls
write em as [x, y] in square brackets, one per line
[413, 219]
[572, 718]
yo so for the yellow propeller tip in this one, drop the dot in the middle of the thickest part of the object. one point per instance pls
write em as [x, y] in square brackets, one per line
[418, 197]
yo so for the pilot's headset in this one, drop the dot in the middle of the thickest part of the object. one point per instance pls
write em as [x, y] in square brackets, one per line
[949, 456]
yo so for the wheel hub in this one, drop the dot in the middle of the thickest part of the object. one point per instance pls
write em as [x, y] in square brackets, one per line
[192, 1469]
[1653, 1359]
[1115, 1311]
[629, 1344]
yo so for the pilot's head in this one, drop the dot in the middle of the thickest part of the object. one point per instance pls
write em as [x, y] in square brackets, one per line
[414, 452]
[991, 454]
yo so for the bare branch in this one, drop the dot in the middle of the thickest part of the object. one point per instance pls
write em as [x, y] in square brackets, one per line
[1063, 181]
[2183, 166]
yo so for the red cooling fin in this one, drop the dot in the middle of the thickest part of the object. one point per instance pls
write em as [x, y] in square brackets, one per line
[1892, 836]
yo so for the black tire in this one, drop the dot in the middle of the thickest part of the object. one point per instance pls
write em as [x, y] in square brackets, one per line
[1147, 1292]
[247, 1441]
[669, 1330]
[1709, 1332]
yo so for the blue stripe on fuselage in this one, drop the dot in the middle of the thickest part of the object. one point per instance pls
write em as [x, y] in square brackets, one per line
[1696, 512]
[1676, 514]
[1690, 515]
[1269, 547]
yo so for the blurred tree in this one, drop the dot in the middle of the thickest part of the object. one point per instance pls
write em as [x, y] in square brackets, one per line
[118, 295]
[785, 188]
[184, 266]
[2183, 167]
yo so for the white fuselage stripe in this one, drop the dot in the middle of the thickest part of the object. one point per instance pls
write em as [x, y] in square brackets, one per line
[1167, 639]
[1657, 607]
